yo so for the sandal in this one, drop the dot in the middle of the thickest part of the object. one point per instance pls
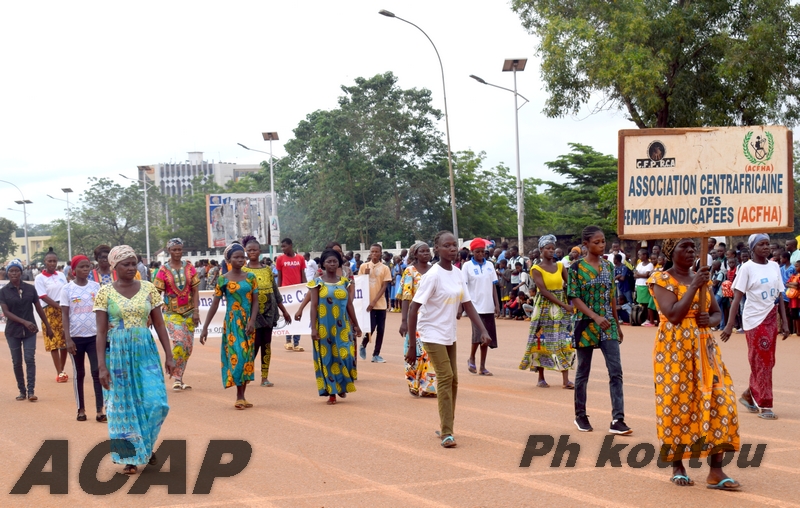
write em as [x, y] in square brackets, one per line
[247, 404]
[184, 386]
[176, 386]
[239, 404]
[749, 405]
[101, 418]
[153, 460]
[689, 482]
[448, 442]
[332, 400]
[82, 417]
[543, 384]
[569, 386]
[130, 469]
[267, 383]
[726, 484]
[485, 372]
[767, 414]
[471, 366]
[343, 395]
[298, 348]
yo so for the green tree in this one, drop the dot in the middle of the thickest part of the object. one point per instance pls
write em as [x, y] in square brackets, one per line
[371, 169]
[667, 63]
[486, 198]
[8, 230]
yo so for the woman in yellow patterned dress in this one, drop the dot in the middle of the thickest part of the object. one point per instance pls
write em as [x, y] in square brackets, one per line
[695, 402]
[420, 376]
[240, 290]
[334, 349]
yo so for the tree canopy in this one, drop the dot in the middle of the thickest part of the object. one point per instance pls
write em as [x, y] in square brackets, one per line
[670, 63]
[7, 231]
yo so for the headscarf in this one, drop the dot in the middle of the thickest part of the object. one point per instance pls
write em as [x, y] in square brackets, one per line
[576, 249]
[546, 240]
[230, 249]
[119, 253]
[669, 246]
[14, 263]
[77, 258]
[755, 238]
[478, 243]
[173, 242]
[412, 252]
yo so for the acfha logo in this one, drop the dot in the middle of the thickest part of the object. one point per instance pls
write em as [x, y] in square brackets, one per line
[759, 150]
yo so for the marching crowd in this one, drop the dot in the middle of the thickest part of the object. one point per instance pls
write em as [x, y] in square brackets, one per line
[575, 303]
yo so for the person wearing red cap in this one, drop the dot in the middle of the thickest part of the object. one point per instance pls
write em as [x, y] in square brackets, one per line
[80, 332]
[481, 279]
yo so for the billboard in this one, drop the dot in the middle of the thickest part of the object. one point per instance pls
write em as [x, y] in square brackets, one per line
[229, 217]
[704, 182]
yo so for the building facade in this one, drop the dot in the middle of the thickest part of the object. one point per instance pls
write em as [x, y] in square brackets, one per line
[175, 179]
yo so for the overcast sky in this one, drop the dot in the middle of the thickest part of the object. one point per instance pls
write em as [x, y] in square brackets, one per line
[97, 88]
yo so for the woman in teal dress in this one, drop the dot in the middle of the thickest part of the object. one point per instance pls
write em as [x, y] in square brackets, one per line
[334, 351]
[129, 365]
[240, 290]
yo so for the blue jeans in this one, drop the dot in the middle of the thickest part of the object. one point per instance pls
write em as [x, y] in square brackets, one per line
[295, 338]
[610, 350]
[16, 346]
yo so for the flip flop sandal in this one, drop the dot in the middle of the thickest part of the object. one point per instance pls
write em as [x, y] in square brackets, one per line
[750, 407]
[689, 482]
[130, 469]
[448, 442]
[267, 383]
[569, 386]
[471, 367]
[176, 386]
[723, 485]
[101, 418]
[485, 372]
[768, 415]
[82, 417]
[247, 404]
[543, 384]
[153, 460]
[184, 386]
[332, 400]
[239, 404]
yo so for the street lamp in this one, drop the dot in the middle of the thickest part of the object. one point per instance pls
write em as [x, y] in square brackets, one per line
[269, 136]
[23, 202]
[514, 65]
[388, 14]
[67, 191]
[26, 216]
[142, 170]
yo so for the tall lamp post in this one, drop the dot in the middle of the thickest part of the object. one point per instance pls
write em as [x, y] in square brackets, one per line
[269, 136]
[142, 170]
[23, 202]
[67, 191]
[514, 65]
[446, 120]
[25, 217]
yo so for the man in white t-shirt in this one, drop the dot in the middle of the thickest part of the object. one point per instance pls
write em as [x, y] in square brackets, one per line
[615, 250]
[481, 279]
[760, 281]
[311, 266]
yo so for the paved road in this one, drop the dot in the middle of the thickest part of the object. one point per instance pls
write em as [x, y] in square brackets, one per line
[378, 448]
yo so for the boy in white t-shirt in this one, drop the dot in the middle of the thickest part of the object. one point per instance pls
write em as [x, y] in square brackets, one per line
[432, 319]
[642, 272]
[80, 332]
[481, 280]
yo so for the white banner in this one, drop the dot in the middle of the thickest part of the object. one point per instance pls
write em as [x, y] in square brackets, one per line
[292, 298]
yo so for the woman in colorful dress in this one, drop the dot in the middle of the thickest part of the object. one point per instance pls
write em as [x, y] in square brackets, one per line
[178, 283]
[48, 285]
[760, 281]
[18, 301]
[269, 303]
[333, 318]
[128, 361]
[420, 376]
[240, 290]
[695, 403]
[551, 320]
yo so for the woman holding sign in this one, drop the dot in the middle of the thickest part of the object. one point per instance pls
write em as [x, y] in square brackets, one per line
[334, 350]
[761, 281]
[240, 290]
[269, 303]
[695, 403]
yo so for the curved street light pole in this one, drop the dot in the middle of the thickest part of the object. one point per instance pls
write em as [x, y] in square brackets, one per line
[23, 202]
[446, 121]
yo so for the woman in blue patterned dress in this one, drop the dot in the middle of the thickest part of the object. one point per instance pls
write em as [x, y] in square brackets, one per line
[334, 351]
[240, 290]
[128, 361]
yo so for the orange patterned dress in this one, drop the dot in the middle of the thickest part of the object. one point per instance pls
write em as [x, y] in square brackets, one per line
[695, 402]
